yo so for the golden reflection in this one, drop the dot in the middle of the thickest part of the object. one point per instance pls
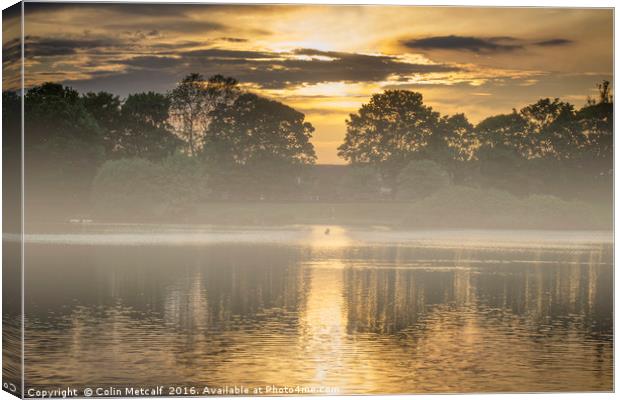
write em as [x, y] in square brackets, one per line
[362, 319]
[323, 325]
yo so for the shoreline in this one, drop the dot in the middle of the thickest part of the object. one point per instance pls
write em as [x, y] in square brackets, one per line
[390, 215]
[312, 236]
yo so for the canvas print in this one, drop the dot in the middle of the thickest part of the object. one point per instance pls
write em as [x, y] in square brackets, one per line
[227, 199]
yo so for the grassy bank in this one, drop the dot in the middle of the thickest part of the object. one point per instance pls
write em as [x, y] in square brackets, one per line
[458, 210]
[392, 214]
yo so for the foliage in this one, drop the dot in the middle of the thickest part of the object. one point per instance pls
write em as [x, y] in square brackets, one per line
[254, 129]
[192, 102]
[105, 108]
[361, 182]
[460, 206]
[454, 146]
[261, 143]
[545, 147]
[132, 186]
[136, 187]
[207, 140]
[63, 143]
[420, 179]
[146, 131]
[389, 131]
[551, 130]
[11, 124]
[458, 136]
[597, 122]
[504, 130]
[187, 180]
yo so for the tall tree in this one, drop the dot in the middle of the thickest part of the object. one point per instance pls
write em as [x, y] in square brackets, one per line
[500, 159]
[596, 120]
[63, 144]
[265, 139]
[146, 131]
[604, 94]
[105, 108]
[11, 120]
[459, 137]
[454, 145]
[389, 131]
[507, 130]
[192, 102]
[551, 130]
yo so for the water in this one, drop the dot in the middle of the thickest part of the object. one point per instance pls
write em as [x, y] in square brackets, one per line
[358, 310]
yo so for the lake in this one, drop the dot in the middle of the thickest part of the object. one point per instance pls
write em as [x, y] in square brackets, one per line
[355, 311]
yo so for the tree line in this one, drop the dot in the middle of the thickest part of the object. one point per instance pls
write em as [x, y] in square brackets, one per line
[208, 139]
[546, 147]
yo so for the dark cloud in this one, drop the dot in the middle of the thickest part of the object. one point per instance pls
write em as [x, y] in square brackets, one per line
[234, 40]
[464, 43]
[35, 46]
[138, 9]
[262, 68]
[277, 70]
[227, 54]
[151, 62]
[160, 18]
[554, 42]
[176, 26]
[130, 43]
[11, 51]
[560, 83]
[177, 46]
[504, 38]
[352, 67]
[39, 47]
[160, 9]
[136, 52]
[495, 44]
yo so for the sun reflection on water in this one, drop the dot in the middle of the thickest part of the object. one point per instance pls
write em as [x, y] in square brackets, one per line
[366, 319]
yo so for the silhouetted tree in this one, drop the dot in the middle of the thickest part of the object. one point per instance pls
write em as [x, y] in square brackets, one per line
[501, 166]
[551, 130]
[596, 120]
[11, 160]
[192, 101]
[455, 146]
[63, 144]
[389, 131]
[604, 94]
[105, 108]
[264, 138]
[500, 158]
[11, 124]
[507, 130]
[146, 131]
[545, 147]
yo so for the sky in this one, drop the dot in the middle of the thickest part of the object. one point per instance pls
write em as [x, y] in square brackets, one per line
[326, 61]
